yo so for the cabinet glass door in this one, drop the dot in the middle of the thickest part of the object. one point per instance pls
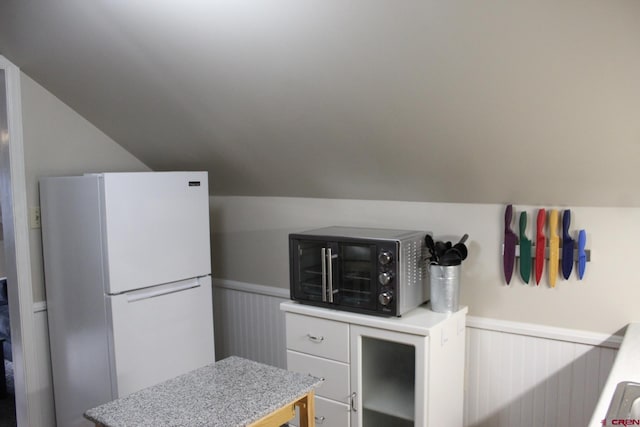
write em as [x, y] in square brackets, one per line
[358, 283]
[308, 271]
[388, 383]
[387, 378]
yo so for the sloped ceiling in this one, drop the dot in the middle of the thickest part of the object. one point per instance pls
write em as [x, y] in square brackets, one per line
[534, 101]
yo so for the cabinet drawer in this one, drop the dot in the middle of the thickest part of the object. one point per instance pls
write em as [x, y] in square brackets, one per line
[328, 414]
[320, 337]
[335, 374]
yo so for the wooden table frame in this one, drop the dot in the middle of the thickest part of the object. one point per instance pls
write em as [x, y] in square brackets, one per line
[288, 412]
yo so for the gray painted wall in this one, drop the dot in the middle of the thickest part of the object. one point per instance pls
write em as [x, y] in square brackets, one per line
[529, 101]
[57, 141]
[533, 102]
[250, 245]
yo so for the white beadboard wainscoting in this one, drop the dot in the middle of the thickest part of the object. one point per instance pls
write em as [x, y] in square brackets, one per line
[533, 376]
[517, 374]
[248, 322]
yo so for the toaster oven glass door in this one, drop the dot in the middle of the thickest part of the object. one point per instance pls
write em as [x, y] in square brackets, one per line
[310, 271]
[357, 270]
[336, 273]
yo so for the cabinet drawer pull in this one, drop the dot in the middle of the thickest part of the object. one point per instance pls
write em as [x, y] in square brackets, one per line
[320, 420]
[353, 402]
[315, 339]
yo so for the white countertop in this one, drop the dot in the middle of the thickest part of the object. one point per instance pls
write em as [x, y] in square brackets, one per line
[625, 368]
[419, 321]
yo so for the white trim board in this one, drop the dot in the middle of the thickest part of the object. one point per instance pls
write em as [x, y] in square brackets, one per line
[547, 332]
[497, 325]
[270, 291]
[17, 253]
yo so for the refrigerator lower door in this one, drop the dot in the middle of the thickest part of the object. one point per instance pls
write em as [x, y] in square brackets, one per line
[160, 332]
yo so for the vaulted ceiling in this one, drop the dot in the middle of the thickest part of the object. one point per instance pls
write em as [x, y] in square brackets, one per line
[535, 101]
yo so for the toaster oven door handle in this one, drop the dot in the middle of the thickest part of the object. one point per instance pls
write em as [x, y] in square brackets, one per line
[323, 255]
[330, 273]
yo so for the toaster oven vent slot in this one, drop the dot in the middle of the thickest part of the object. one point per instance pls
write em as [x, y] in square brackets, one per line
[414, 254]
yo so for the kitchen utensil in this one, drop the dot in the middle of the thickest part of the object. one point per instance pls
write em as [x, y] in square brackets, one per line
[582, 256]
[441, 247]
[540, 244]
[451, 257]
[462, 249]
[525, 250]
[567, 245]
[510, 240]
[428, 240]
[554, 241]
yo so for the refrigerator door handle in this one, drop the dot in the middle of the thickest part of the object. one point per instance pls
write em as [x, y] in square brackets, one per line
[162, 290]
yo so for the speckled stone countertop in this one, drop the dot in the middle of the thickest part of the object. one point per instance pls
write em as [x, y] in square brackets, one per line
[231, 392]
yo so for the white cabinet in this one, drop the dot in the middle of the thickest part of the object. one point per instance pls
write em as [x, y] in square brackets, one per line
[320, 337]
[320, 347]
[335, 374]
[378, 371]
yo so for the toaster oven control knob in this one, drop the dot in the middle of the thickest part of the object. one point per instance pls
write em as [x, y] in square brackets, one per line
[385, 257]
[385, 277]
[385, 297]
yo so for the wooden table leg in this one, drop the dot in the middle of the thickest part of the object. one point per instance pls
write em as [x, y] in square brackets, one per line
[307, 410]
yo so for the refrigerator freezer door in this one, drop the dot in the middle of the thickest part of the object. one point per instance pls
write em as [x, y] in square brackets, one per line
[157, 228]
[160, 332]
[77, 320]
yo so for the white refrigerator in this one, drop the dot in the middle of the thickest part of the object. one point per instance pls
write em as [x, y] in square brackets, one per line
[128, 283]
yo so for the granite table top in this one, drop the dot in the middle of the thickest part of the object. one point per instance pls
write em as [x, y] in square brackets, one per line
[229, 393]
